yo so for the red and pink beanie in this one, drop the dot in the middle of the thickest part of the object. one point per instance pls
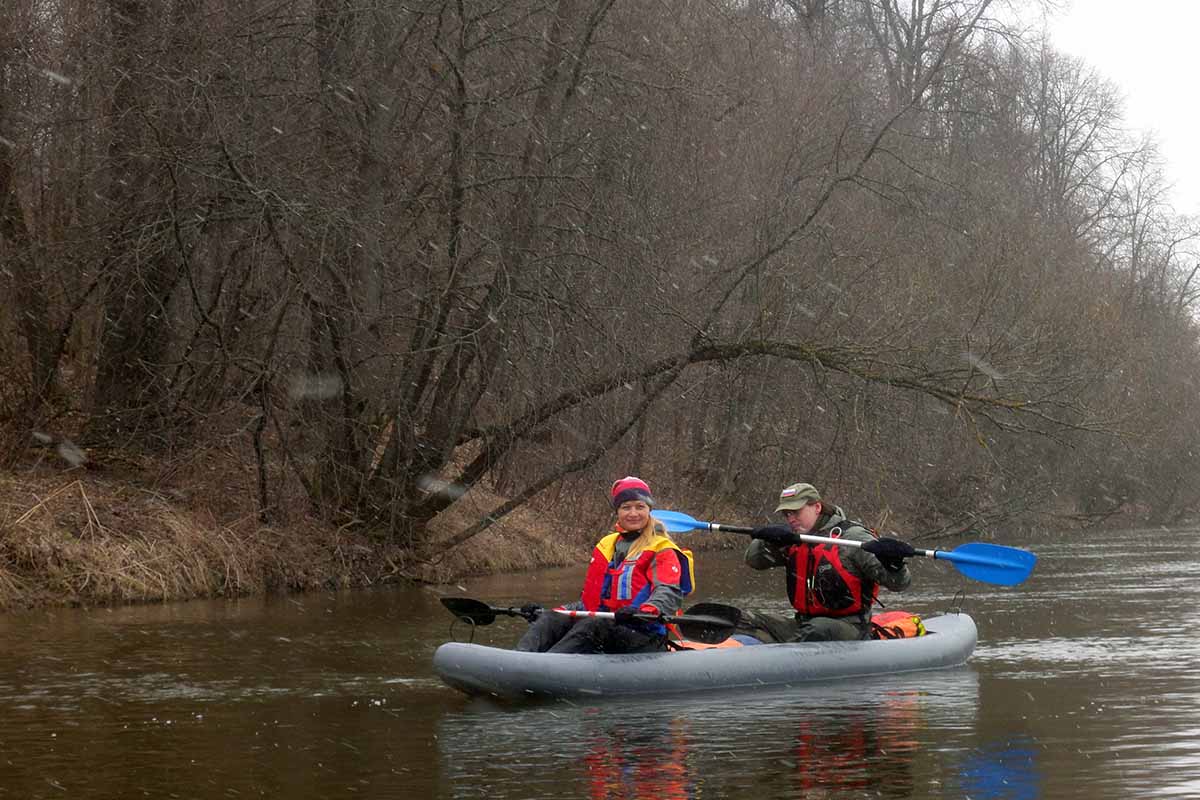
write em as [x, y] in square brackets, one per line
[630, 488]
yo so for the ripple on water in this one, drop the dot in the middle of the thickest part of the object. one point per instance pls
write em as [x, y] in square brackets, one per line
[1149, 654]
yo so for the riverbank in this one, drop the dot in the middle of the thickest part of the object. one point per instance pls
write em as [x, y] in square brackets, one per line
[122, 530]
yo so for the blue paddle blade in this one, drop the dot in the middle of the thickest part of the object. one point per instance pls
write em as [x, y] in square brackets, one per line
[678, 522]
[990, 563]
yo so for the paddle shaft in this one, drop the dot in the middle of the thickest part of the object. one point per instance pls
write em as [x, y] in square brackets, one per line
[707, 628]
[685, 619]
[711, 625]
[807, 537]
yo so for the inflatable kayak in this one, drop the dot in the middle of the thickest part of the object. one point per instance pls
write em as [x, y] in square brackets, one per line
[481, 670]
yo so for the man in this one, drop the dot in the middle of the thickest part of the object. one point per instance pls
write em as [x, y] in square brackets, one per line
[831, 587]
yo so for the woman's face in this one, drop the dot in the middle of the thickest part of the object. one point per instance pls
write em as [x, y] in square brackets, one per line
[632, 515]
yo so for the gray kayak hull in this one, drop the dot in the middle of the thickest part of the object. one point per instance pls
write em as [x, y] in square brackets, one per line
[481, 670]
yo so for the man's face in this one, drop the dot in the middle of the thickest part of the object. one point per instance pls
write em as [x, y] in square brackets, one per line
[803, 520]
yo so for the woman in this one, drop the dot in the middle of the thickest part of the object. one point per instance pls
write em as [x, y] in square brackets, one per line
[635, 568]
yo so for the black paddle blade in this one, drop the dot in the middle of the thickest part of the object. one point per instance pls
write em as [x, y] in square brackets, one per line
[468, 610]
[708, 623]
[731, 614]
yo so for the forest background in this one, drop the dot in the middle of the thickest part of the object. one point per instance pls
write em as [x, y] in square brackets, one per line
[305, 293]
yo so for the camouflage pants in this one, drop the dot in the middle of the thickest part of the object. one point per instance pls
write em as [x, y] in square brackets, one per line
[790, 628]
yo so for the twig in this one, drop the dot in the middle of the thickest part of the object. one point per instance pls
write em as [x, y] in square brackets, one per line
[24, 517]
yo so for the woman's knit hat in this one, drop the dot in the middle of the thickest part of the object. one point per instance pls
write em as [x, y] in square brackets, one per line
[630, 488]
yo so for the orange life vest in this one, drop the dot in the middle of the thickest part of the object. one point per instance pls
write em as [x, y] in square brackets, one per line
[897, 625]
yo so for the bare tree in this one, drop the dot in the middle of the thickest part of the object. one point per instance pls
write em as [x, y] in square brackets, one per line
[405, 251]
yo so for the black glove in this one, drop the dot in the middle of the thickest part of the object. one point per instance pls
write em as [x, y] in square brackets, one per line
[780, 535]
[890, 552]
[531, 611]
[625, 615]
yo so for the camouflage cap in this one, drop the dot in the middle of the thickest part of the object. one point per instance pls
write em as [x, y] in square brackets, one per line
[797, 496]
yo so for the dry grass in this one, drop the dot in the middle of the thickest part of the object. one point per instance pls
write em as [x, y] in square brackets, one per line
[85, 541]
[126, 531]
[524, 539]
[113, 527]
[122, 527]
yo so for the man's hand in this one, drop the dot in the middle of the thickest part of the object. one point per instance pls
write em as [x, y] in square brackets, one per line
[778, 535]
[890, 552]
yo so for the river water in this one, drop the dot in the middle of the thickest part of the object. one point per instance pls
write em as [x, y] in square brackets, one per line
[1083, 685]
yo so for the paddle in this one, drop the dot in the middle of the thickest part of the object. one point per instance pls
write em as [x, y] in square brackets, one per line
[709, 628]
[988, 563]
[477, 612]
[712, 625]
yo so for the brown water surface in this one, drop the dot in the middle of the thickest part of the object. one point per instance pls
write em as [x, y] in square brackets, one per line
[1082, 686]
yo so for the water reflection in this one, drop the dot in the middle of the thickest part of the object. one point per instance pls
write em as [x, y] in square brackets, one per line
[861, 748]
[842, 740]
[1005, 771]
[642, 761]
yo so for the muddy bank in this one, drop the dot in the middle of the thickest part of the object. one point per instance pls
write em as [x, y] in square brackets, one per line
[92, 536]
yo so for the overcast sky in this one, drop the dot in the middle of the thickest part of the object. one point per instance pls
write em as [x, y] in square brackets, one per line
[1149, 49]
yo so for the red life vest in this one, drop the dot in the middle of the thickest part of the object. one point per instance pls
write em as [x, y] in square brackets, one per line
[611, 583]
[820, 585]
